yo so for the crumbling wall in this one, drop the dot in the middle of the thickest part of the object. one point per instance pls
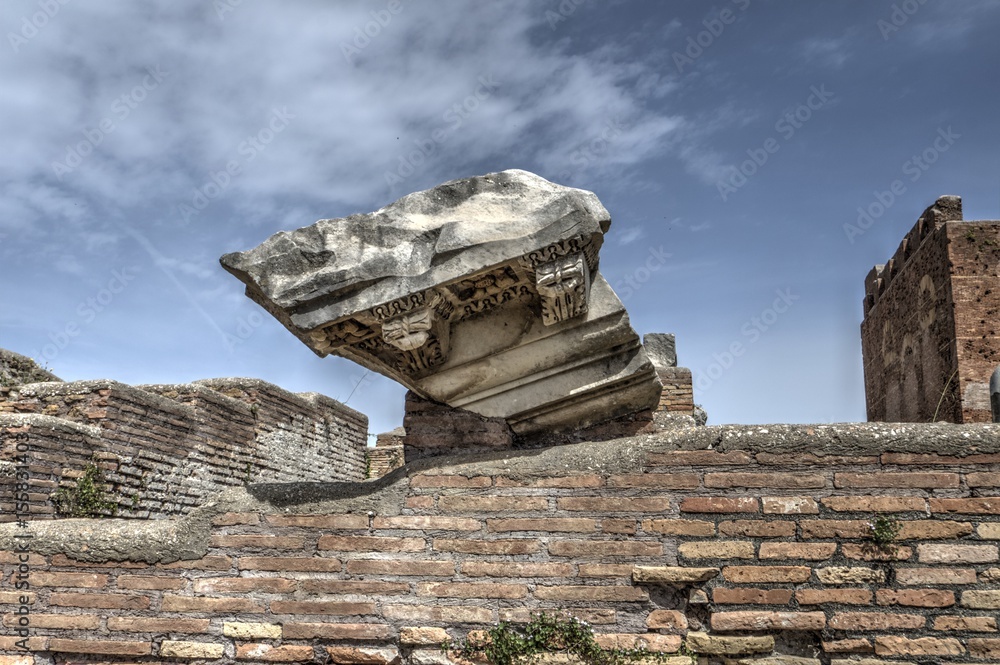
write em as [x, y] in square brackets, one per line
[16, 369]
[678, 390]
[730, 542]
[387, 455]
[162, 450]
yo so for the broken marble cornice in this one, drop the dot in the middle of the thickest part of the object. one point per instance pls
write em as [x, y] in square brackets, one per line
[564, 287]
[481, 293]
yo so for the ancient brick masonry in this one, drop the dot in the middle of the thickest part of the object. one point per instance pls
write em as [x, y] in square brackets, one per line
[387, 455]
[930, 337]
[678, 390]
[758, 547]
[166, 449]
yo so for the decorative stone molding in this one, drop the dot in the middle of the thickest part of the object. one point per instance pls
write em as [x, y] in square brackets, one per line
[564, 287]
[482, 294]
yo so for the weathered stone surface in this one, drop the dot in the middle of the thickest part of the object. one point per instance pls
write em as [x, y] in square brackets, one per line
[245, 631]
[422, 635]
[363, 655]
[661, 349]
[671, 574]
[774, 660]
[193, 650]
[844, 575]
[868, 661]
[730, 646]
[16, 369]
[895, 645]
[481, 294]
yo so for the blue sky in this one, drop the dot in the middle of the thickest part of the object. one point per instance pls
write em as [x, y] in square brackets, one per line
[733, 143]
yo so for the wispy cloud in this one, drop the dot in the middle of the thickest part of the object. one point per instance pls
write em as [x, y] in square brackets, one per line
[833, 52]
[629, 235]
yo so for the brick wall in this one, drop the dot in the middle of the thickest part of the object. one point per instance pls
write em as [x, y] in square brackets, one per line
[387, 455]
[930, 338]
[974, 253]
[757, 547]
[678, 390]
[165, 449]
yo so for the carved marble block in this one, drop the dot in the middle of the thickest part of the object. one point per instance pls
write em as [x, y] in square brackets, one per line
[481, 293]
[563, 286]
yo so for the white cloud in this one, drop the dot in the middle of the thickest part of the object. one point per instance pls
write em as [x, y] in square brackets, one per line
[629, 235]
[218, 82]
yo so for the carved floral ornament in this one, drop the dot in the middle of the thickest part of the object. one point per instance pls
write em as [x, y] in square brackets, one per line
[411, 333]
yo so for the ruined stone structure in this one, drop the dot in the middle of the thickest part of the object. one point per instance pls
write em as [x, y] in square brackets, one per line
[861, 544]
[481, 294]
[388, 453]
[678, 389]
[758, 550]
[931, 333]
[166, 449]
[16, 369]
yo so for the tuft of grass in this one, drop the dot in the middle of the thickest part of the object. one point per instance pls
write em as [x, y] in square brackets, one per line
[88, 498]
[882, 533]
[510, 644]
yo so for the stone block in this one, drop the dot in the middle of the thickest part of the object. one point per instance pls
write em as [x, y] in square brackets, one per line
[482, 294]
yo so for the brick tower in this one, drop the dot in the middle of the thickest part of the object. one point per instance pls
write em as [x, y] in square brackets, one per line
[930, 337]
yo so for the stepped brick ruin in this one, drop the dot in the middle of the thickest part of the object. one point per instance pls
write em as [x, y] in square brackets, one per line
[678, 389]
[166, 449]
[931, 333]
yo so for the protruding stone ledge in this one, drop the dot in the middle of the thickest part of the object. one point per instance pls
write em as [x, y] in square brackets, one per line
[728, 646]
[790, 660]
[671, 574]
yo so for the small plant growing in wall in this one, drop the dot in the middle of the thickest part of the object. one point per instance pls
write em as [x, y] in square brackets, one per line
[882, 534]
[87, 499]
[510, 644]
